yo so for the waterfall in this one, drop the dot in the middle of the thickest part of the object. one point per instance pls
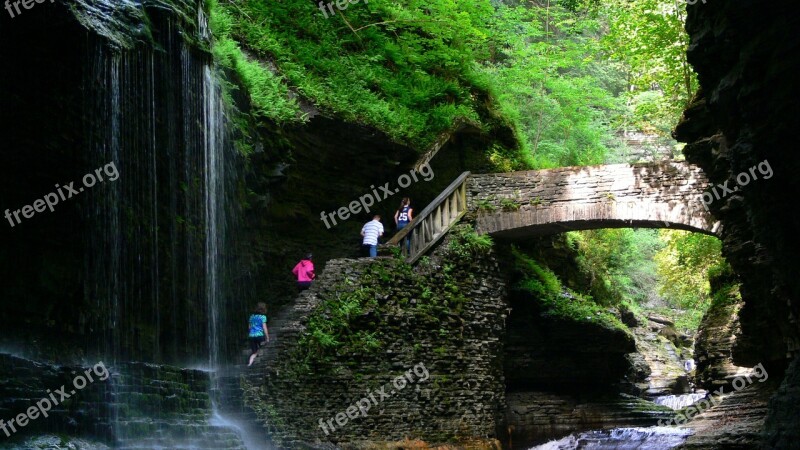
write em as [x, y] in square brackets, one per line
[215, 192]
[158, 259]
[157, 252]
[677, 402]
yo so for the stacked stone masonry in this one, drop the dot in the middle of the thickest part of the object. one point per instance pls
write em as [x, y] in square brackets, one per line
[462, 398]
[662, 195]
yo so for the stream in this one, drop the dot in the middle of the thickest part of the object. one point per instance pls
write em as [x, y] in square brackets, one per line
[655, 438]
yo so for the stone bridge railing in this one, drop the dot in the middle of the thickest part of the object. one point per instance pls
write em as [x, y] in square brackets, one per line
[662, 195]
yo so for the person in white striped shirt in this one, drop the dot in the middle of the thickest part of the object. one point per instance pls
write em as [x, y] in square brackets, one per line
[371, 231]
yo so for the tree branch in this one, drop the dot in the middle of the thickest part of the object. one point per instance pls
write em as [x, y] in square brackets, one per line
[349, 26]
[393, 21]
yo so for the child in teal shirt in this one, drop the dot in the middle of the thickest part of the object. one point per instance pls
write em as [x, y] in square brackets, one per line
[258, 330]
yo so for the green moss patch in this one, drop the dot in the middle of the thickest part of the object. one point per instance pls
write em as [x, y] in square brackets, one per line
[556, 301]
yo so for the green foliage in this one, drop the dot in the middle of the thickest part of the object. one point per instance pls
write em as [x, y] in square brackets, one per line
[537, 201]
[509, 204]
[540, 281]
[415, 68]
[728, 294]
[621, 261]
[351, 318]
[678, 264]
[684, 265]
[397, 252]
[556, 301]
[405, 68]
[652, 112]
[647, 39]
[466, 243]
[269, 95]
[664, 271]
[329, 331]
[556, 86]
[486, 205]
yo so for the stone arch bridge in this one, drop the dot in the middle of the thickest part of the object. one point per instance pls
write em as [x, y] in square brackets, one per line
[519, 204]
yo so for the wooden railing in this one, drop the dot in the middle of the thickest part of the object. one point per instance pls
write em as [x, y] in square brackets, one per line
[434, 221]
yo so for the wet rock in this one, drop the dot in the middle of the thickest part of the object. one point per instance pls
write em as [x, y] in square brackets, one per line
[667, 374]
[533, 417]
[660, 320]
[628, 317]
[731, 421]
[783, 422]
[716, 336]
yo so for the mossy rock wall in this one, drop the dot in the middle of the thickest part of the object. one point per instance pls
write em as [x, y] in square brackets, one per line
[447, 317]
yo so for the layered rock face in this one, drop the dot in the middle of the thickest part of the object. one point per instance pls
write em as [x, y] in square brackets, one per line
[663, 358]
[743, 118]
[715, 340]
[126, 265]
[739, 130]
[564, 376]
[536, 416]
[736, 422]
[130, 405]
[25, 383]
[562, 355]
[433, 373]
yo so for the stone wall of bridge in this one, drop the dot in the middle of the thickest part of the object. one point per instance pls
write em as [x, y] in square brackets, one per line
[662, 195]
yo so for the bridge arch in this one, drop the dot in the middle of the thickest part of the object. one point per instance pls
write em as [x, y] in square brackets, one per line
[659, 195]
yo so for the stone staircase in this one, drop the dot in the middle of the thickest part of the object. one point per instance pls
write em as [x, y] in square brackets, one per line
[286, 326]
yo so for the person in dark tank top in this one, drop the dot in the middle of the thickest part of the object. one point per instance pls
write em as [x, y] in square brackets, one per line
[402, 217]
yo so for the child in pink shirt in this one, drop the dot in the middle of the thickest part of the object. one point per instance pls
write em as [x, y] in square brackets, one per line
[304, 271]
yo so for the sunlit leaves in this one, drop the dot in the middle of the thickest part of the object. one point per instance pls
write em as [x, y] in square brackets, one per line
[554, 84]
[648, 38]
[684, 265]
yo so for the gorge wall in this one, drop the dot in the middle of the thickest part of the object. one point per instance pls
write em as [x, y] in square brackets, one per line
[132, 267]
[131, 405]
[745, 54]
